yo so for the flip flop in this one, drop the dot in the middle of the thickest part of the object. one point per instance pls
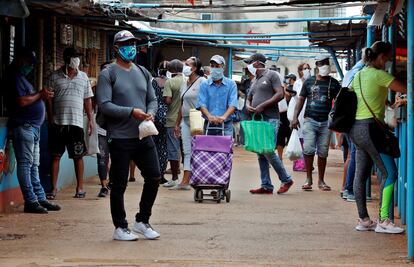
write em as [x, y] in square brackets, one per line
[307, 186]
[324, 187]
[80, 194]
[51, 196]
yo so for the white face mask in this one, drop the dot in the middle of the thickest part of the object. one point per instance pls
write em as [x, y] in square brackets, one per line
[74, 63]
[324, 70]
[169, 75]
[251, 69]
[187, 70]
[306, 74]
[388, 65]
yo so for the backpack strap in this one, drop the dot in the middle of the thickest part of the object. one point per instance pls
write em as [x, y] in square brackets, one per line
[144, 71]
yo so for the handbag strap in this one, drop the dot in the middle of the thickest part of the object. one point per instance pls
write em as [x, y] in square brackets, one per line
[189, 87]
[366, 103]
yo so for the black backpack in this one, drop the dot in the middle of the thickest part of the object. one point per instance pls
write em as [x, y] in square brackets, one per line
[100, 117]
[342, 115]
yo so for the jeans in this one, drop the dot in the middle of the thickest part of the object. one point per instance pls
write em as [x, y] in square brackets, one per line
[26, 148]
[228, 129]
[316, 136]
[173, 145]
[144, 154]
[187, 139]
[103, 157]
[272, 159]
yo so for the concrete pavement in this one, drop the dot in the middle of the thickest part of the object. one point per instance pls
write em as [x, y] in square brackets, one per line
[296, 229]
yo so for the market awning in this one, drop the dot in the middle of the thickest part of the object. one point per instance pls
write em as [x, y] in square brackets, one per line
[16, 8]
[340, 37]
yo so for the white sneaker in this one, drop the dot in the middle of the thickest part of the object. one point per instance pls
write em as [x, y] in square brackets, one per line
[146, 230]
[170, 183]
[180, 187]
[124, 234]
[388, 227]
[367, 225]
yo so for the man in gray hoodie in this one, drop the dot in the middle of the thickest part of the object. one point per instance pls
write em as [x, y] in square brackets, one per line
[126, 98]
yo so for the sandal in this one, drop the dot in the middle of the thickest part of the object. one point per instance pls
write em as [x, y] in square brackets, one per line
[324, 187]
[307, 186]
[51, 196]
[80, 194]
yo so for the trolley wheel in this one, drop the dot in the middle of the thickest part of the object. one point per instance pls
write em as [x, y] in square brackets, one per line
[198, 195]
[228, 196]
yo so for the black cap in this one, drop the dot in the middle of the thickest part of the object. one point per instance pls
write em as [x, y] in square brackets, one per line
[291, 76]
[71, 52]
[26, 53]
[256, 57]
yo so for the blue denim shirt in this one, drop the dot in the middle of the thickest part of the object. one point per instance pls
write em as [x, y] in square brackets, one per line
[217, 99]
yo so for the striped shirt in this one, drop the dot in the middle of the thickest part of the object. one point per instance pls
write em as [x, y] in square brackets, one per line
[69, 97]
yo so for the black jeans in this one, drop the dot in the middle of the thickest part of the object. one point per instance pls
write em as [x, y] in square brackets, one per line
[144, 154]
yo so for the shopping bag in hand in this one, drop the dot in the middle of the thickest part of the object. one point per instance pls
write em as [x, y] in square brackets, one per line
[259, 136]
[294, 148]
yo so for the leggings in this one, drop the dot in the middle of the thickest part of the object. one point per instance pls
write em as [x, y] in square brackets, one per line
[367, 154]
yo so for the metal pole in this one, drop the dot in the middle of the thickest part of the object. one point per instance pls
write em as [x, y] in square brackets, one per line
[223, 21]
[403, 174]
[410, 112]
[335, 60]
[370, 36]
[161, 32]
[230, 64]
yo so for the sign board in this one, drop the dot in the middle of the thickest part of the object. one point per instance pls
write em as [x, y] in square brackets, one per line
[262, 39]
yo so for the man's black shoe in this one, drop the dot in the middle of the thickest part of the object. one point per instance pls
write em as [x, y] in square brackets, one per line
[103, 192]
[34, 208]
[49, 205]
[163, 180]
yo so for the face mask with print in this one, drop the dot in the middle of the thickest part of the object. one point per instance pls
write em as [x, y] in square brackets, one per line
[252, 69]
[388, 65]
[306, 74]
[128, 52]
[217, 74]
[324, 70]
[74, 63]
[187, 70]
[25, 70]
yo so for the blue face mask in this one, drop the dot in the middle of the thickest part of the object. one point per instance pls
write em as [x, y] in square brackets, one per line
[128, 52]
[25, 70]
[217, 74]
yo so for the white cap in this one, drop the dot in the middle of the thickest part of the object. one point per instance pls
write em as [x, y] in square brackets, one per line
[321, 57]
[218, 59]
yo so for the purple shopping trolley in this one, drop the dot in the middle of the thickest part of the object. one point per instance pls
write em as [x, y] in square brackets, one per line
[211, 163]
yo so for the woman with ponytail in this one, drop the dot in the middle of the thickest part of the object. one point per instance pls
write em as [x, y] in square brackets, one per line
[371, 87]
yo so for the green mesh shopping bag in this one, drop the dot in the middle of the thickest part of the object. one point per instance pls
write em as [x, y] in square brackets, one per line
[259, 136]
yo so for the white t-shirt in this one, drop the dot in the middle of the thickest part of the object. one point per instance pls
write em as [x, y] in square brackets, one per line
[190, 97]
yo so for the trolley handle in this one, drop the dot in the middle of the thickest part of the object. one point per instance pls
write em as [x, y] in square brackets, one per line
[215, 128]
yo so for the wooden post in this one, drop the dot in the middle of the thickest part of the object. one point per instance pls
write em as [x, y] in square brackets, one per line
[54, 42]
[40, 57]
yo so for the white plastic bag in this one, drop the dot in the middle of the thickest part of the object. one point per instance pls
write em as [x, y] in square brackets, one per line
[294, 148]
[283, 106]
[91, 141]
[391, 117]
[147, 128]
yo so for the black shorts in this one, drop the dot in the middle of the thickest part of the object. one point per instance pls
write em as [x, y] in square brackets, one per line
[69, 136]
[284, 132]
